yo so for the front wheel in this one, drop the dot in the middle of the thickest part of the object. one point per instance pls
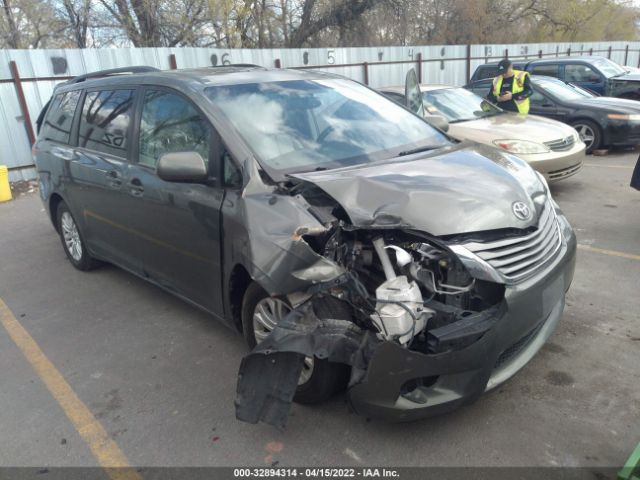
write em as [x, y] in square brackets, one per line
[589, 133]
[72, 240]
[319, 379]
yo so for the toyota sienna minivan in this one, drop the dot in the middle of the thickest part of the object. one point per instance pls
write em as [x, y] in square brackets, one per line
[355, 246]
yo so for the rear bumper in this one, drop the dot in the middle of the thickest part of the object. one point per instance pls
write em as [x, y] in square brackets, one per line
[533, 310]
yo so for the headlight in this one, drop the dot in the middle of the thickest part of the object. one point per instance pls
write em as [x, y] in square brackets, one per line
[623, 116]
[521, 146]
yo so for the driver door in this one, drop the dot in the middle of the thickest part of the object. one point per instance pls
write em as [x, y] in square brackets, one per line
[585, 76]
[179, 223]
[545, 107]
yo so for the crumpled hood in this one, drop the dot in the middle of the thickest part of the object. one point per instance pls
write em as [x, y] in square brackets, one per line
[631, 76]
[462, 188]
[510, 126]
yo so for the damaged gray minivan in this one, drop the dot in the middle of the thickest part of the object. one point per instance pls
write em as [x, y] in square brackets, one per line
[354, 245]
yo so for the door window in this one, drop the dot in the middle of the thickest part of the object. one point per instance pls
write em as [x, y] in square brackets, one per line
[104, 125]
[169, 124]
[57, 126]
[580, 73]
[538, 99]
[549, 70]
[231, 175]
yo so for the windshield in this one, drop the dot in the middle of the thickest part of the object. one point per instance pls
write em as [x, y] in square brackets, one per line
[608, 68]
[457, 104]
[303, 125]
[563, 91]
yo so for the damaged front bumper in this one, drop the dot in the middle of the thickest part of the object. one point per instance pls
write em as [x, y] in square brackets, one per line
[396, 383]
[444, 382]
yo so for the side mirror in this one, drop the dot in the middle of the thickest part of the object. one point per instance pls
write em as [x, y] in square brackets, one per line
[182, 167]
[412, 93]
[437, 121]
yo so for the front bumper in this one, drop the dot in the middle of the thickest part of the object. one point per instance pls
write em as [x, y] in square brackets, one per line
[557, 165]
[534, 308]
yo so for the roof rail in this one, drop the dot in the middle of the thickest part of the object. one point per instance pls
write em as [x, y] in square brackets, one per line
[113, 71]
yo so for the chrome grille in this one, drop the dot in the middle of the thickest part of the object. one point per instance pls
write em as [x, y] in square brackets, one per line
[520, 257]
[561, 144]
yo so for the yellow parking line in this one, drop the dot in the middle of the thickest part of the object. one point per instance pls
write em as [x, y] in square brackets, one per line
[107, 453]
[607, 166]
[612, 253]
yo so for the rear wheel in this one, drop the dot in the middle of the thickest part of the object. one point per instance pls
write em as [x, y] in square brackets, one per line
[72, 240]
[319, 378]
[589, 133]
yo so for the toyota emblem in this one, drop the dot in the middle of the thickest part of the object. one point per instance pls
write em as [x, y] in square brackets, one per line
[521, 210]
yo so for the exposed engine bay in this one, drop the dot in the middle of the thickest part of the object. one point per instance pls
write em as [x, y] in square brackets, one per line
[406, 289]
[391, 285]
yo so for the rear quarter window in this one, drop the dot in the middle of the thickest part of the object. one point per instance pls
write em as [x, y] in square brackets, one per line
[105, 120]
[59, 120]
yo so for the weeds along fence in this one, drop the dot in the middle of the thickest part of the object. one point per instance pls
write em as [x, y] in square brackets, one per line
[28, 77]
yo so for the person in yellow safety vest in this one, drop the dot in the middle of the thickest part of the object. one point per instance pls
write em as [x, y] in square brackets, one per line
[511, 89]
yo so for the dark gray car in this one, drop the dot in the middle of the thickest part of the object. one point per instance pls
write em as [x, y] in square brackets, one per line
[354, 245]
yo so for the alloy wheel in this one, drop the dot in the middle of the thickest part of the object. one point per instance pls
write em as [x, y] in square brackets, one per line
[71, 236]
[587, 135]
[266, 315]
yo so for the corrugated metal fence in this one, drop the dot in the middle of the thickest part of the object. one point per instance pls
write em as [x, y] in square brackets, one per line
[27, 77]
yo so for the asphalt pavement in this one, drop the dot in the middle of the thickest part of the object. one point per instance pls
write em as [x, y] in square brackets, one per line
[159, 376]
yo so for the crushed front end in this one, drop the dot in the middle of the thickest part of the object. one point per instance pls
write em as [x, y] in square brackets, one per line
[434, 321]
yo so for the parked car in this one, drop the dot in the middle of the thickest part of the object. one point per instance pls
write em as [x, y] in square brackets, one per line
[349, 240]
[597, 74]
[600, 121]
[550, 147]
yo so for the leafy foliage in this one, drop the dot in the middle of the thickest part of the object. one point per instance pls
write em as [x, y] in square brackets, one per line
[310, 23]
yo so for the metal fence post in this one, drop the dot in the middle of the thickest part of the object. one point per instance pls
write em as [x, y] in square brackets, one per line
[539, 53]
[591, 52]
[626, 53]
[173, 65]
[609, 54]
[277, 63]
[569, 52]
[365, 67]
[22, 101]
[419, 67]
[506, 53]
[468, 63]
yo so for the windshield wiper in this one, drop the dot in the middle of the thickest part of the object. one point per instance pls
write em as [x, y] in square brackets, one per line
[418, 150]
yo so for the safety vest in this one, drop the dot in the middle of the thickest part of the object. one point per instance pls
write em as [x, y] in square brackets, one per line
[516, 87]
